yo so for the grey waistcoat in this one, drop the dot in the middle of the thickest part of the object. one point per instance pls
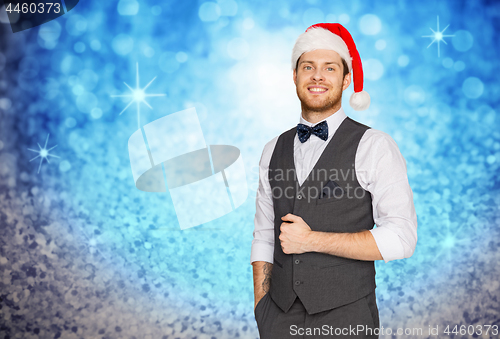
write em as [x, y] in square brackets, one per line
[321, 281]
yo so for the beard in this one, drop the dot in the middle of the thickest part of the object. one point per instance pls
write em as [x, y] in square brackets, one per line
[333, 98]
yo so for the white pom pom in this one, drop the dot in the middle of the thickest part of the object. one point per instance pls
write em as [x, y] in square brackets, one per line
[360, 101]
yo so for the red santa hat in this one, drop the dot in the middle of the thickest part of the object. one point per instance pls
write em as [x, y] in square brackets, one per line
[336, 38]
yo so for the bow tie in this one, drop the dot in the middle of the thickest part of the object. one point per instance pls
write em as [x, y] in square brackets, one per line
[320, 130]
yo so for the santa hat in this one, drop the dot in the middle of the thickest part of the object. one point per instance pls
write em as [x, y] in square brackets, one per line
[336, 38]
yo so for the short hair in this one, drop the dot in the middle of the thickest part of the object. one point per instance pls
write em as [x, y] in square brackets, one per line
[344, 65]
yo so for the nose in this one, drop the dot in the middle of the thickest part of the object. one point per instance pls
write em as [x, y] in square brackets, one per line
[318, 75]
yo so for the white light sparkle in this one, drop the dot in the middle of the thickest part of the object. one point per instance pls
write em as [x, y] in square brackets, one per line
[437, 36]
[138, 96]
[43, 153]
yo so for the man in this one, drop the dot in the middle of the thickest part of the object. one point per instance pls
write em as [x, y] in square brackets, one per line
[322, 187]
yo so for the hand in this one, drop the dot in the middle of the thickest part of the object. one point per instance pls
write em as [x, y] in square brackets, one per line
[294, 235]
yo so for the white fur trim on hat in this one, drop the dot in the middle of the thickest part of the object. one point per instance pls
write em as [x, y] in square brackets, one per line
[360, 101]
[319, 38]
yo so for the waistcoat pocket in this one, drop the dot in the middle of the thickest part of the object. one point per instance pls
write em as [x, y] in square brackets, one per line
[328, 200]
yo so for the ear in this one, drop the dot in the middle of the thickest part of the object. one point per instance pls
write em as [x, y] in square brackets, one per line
[295, 77]
[347, 81]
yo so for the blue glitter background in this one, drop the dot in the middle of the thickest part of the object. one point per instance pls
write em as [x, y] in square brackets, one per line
[84, 254]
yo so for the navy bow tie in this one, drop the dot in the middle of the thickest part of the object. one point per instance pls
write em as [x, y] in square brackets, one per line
[304, 131]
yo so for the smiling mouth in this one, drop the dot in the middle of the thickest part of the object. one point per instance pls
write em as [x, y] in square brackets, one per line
[317, 90]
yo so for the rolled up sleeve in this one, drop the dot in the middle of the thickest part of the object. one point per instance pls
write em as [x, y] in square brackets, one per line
[385, 177]
[263, 234]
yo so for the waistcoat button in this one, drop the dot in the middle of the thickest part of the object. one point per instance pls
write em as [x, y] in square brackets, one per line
[297, 261]
[299, 196]
[297, 282]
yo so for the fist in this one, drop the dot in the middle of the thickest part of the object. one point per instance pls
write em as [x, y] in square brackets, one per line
[294, 235]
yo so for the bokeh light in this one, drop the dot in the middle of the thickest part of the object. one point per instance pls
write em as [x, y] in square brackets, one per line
[472, 87]
[462, 41]
[370, 24]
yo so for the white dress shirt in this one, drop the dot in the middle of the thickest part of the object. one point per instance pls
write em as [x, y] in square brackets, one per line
[380, 169]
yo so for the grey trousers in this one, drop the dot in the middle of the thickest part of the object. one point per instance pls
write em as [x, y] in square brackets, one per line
[358, 319]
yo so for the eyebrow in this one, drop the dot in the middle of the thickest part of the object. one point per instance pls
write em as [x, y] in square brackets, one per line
[312, 62]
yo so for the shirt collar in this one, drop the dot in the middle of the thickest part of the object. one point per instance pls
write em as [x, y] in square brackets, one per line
[333, 121]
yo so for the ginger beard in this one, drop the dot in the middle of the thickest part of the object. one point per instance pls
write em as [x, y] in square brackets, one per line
[319, 102]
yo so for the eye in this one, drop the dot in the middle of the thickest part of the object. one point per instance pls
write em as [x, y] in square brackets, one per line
[330, 69]
[307, 67]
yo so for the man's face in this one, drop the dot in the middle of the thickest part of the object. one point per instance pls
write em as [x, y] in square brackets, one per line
[319, 80]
